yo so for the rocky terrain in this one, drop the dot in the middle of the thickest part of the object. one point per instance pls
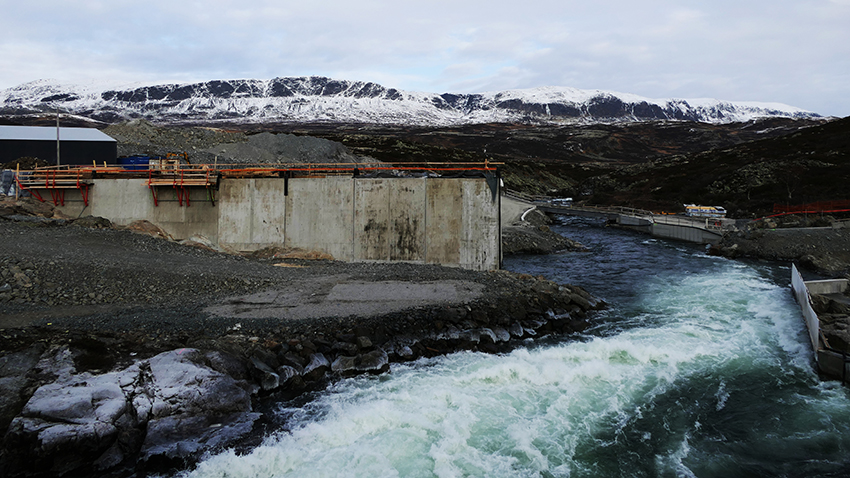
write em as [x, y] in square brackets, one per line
[532, 235]
[123, 352]
[834, 316]
[817, 243]
[658, 166]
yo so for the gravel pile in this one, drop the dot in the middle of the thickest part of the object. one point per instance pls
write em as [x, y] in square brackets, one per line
[139, 137]
[26, 162]
[283, 148]
[210, 145]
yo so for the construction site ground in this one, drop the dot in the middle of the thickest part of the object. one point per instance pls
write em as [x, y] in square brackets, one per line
[66, 276]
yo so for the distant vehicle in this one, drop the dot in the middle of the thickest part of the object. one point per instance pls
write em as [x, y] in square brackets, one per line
[692, 210]
[563, 202]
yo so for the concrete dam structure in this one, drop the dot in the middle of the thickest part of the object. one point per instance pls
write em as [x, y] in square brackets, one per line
[452, 221]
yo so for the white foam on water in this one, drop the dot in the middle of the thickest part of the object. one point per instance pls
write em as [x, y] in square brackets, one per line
[674, 461]
[536, 412]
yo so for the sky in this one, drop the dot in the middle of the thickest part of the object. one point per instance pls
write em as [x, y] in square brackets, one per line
[795, 52]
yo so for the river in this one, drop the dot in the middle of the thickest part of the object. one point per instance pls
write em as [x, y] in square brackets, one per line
[699, 367]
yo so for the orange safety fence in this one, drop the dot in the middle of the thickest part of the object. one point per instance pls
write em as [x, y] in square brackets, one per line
[821, 206]
[812, 208]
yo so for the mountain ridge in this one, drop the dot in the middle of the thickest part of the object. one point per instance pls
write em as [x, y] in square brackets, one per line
[322, 99]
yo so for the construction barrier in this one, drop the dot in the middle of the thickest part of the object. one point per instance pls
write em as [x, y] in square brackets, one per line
[812, 208]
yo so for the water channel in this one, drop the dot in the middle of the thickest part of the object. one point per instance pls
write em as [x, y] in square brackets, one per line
[699, 367]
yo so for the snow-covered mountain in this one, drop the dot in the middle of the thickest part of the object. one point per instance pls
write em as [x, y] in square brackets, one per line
[312, 99]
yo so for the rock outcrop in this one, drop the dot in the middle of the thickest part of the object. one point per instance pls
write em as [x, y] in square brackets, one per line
[532, 235]
[172, 406]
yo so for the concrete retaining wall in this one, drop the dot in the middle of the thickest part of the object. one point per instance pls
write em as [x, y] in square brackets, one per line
[830, 363]
[251, 214]
[684, 233]
[801, 293]
[448, 221]
[830, 286]
[512, 210]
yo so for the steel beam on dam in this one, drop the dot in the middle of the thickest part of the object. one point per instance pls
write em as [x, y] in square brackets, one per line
[448, 221]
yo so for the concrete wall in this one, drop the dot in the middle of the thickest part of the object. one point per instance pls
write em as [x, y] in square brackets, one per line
[798, 287]
[251, 214]
[512, 210]
[123, 201]
[320, 215]
[684, 233]
[390, 220]
[480, 231]
[448, 221]
[830, 286]
[832, 364]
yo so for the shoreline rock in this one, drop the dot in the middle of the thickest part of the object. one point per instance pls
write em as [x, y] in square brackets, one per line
[532, 235]
[162, 412]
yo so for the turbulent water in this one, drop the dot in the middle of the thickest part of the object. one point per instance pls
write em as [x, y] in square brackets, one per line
[700, 367]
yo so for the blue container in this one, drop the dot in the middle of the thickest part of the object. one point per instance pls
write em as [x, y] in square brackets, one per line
[134, 163]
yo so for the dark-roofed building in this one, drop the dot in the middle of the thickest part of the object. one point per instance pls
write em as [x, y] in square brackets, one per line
[76, 145]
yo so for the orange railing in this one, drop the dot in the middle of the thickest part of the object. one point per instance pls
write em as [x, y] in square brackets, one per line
[812, 208]
[182, 176]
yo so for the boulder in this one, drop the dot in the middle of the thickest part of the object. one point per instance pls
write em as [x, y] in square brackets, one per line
[317, 368]
[346, 348]
[502, 335]
[176, 437]
[93, 222]
[290, 378]
[170, 406]
[265, 375]
[374, 362]
[34, 207]
[13, 371]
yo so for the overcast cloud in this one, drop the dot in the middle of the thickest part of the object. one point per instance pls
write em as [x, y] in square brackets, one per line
[795, 52]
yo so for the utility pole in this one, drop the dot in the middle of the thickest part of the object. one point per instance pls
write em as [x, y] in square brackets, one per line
[57, 136]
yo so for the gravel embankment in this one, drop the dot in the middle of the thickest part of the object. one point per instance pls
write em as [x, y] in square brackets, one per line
[821, 245]
[109, 279]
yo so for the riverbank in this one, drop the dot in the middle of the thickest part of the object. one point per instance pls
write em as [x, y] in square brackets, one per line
[819, 244]
[530, 233]
[121, 352]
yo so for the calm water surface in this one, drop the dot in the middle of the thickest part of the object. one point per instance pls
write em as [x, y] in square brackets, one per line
[699, 367]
